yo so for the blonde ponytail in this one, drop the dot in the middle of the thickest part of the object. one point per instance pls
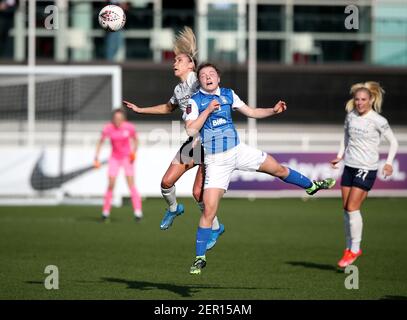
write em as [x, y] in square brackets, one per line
[185, 43]
[375, 91]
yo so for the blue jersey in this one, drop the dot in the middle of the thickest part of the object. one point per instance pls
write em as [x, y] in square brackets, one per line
[218, 133]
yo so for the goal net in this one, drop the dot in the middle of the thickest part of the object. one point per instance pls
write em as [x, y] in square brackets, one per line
[48, 135]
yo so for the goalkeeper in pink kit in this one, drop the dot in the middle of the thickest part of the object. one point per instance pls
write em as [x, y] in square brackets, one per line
[123, 138]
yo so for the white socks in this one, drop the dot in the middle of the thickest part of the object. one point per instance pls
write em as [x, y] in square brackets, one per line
[170, 198]
[215, 223]
[348, 238]
[138, 213]
[355, 230]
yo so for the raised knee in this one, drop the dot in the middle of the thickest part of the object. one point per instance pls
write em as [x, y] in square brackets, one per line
[166, 183]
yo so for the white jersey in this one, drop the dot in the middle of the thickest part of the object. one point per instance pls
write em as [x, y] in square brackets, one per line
[184, 91]
[362, 140]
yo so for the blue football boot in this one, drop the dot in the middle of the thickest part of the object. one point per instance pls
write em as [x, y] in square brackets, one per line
[169, 217]
[214, 236]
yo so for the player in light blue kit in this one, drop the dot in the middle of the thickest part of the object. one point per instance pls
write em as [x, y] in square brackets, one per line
[209, 114]
[189, 154]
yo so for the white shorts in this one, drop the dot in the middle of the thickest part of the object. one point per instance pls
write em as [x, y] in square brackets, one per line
[220, 166]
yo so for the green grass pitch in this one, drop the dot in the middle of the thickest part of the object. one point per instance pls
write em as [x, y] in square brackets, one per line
[272, 249]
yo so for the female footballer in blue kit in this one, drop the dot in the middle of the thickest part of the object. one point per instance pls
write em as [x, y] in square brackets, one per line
[364, 128]
[189, 154]
[209, 115]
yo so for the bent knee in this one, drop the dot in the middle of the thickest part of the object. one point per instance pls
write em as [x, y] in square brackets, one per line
[167, 183]
[351, 208]
[210, 210]
[281, 172]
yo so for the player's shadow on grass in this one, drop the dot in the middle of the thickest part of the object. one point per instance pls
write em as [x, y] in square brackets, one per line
[183, 291]
[97, 219]
[312, 265]
[35, 282]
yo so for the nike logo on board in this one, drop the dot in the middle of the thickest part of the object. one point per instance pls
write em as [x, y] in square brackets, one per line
[41, 181]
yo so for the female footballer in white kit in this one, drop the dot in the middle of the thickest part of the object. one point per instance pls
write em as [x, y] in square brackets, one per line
[190, 154]
[364, 128]
[209, 115]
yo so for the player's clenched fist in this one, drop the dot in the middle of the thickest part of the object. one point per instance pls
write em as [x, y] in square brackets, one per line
[387, 170]
[213, 105]
[335, 162]
[280, 107]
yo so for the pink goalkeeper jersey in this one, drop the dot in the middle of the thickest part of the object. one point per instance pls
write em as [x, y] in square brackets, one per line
[119, 138]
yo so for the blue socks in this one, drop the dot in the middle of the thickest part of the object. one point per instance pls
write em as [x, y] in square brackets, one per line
[202, 237]
[294, 177]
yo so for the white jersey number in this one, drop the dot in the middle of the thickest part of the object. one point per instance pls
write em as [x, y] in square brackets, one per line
[362, 174]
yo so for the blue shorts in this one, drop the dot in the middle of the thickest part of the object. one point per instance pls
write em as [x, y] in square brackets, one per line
[363, 179]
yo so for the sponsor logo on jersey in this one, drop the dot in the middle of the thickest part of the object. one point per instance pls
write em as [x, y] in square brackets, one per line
[183, 99]
[224, 100]
[359, 131]
[218, 122]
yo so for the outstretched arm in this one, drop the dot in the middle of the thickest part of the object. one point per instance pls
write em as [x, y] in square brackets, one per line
[158, 109]
[259, 113]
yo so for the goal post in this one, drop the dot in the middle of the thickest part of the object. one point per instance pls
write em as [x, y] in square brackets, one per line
[114, 71]
[71, 103]
[91, 89]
